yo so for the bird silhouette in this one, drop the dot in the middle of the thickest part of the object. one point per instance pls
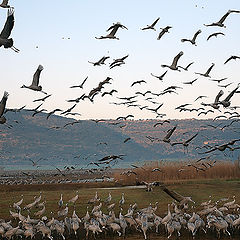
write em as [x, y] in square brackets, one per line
[186, 68]
[2, 107]
[191, 82]
[114, 29]
[169, 134]
[138, 82]
[4, 4]
[220, 23]
[226, 102]
[164, 30]
[151, 26]
[42, 99]
[193, 40]
[232, 58]
[5, 41]
[81, 85]
[100, 61]
[160, 77]
[215, 35]
[35, 83]
[206, 74]
[174, 66]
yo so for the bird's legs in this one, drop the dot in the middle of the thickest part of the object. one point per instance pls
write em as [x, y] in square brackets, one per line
[15, 49]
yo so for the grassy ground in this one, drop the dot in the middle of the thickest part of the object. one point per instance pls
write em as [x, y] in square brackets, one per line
[199, 190]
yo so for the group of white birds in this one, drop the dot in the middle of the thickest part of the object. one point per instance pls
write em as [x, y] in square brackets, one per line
[212, 217]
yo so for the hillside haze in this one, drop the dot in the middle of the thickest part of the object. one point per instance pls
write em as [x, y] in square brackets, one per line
[32, 138]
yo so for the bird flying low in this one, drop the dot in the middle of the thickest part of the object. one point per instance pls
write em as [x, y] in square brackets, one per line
[176, 196]
[2, 107]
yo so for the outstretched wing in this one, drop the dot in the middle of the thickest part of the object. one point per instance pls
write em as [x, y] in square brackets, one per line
[175, 60]
[210, 68]
[8, 25]
[190, 139]
[218, 96]
[178, 197]
[230, 94]
[155, 22]
[170, 132]
[223, 18]
[195, 35]
[160, 35]
[3, 103]
[36, 75]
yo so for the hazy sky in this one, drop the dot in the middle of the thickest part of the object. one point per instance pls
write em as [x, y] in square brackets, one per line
[45, 23]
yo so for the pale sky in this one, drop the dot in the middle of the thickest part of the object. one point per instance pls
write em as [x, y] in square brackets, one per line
[65, 62]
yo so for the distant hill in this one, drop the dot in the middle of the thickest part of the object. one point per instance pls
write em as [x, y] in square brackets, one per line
[32, 138]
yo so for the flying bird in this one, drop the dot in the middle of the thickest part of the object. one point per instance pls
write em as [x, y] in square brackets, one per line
[81, 85]
[138, 82]
[125, 118]
[164, 30]
[52, 112]
[206, 74]
[226, 85]
[176, 196]
[191, 82]
[193, 40]
[118, 62]
[218, 80]
[174, 66]
[215, 35]
[186, 68]
[232, 58]
[226, 102]
[2, 107]
[151, 26]
[35, 83]
[161, 123]
[126, 140]
[215, 104]
[220, 23]
[200, 97]
[114, 29]
[4, 4]
[42, 99]
[160, 77]
[69, 110]
[169, 134]
[186, 142]
[100, 61]
[155, 109]
[109, 93]
[5, 41]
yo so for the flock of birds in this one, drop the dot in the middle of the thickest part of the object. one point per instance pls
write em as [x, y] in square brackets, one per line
[210, 217]
[132, 101]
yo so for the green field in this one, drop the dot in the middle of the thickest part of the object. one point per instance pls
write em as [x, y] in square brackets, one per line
[199, 190]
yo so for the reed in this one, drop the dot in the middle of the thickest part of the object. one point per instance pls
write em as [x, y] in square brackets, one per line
[180, 171]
